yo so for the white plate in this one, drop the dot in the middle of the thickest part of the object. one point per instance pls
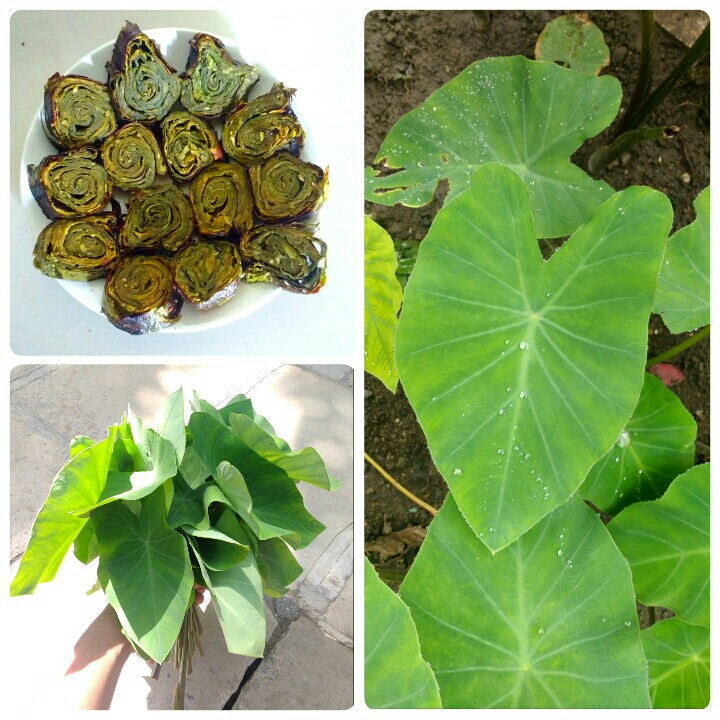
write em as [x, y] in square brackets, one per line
[174, 46]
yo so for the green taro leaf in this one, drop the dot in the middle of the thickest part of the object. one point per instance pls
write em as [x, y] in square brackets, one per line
[80, 443]
[667, 543]
[161, 461]
[171, 422]
[678, 656]
[656, 445]
[85, 547]
[683, 294]
[522, 371]
[302, 466]
[528, 115]
[383, 297]
[277, 566]
[238, 599]
[145, 572]
[548, 622]
[396, 675]
[193, 468]
[78, 484]
[242, 405]
[277, 505]
[575, 42]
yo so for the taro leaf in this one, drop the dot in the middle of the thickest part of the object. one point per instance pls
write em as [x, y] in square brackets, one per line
[667, 543]
[277, 566]
[223, 545]
[683, 294]
[124, 485]
[193, 468]
[127, 456]
[678, 656]
[78, 484]
[656, 445]
[145, 571]
[548, 622]
[277, 504]
[85, 547]
[302, 465]
[383, 297]
[528, 115]
[189, 506]
[396, 676]
[523, 372]
[238, 599]
[197, 404]
[575, 42]
[170, 422]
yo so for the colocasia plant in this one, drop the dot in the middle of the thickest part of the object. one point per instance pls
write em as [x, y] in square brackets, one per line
[527, 372]
[214, 501]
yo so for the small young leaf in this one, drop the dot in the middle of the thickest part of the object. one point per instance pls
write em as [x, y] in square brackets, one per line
[678, 656]
[667, 543]
[383, 297]
[656, 445]
[683, 293]
[223, 545]
[242, 405]
[523, 371]
[548, 622]
[190, 506]
[145, 572]
[575, 42]
[78, 484]
[530, 116]
[396, 675]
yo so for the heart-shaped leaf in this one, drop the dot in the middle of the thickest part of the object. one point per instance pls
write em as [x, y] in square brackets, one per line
[575, 42]
[170, 422]
[656, 445]
[396, 675]
[277, 566]
[528, 115]
[667, 543]
[78, 484]
[683, 294]
[548, 622]
[145, 572]
[383, 296]
[678, 656]
[535, 365]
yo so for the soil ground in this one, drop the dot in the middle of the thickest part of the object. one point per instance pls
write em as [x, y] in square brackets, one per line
[409, 54]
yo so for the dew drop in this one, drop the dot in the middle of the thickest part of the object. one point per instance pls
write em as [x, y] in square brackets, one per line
[492, 529]
[434, 398]
[628, 623]
[501, 411]
[523, 394]
[623, 439]
[541, 631]
[507, 342]
[524, 345]
[457, 471]
[500, 451]
[560, 552]
[508, 389]
[604, 619]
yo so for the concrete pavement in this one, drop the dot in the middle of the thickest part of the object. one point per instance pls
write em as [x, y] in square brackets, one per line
[308, 660]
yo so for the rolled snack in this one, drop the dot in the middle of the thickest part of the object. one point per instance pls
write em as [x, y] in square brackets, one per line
[77, 111]
[287, 188]
[77, 249]
[207, 272]
[132, 157]
[142, 85]
[213, 80]
[222, 200]
[140, 296]
[158, 218]
[255, 130]
[70, 185]
[189, 144]
[287, 255]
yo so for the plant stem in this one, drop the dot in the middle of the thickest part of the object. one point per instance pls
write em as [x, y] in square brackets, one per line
[698, 50]
[677, 349]
[398, 486]
[603, 156]
[644, 76]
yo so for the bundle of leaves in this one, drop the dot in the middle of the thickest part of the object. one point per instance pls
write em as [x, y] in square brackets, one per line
[526, 371]
[214, 501]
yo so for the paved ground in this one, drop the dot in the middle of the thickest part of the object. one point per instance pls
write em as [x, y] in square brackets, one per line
[308, 660]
